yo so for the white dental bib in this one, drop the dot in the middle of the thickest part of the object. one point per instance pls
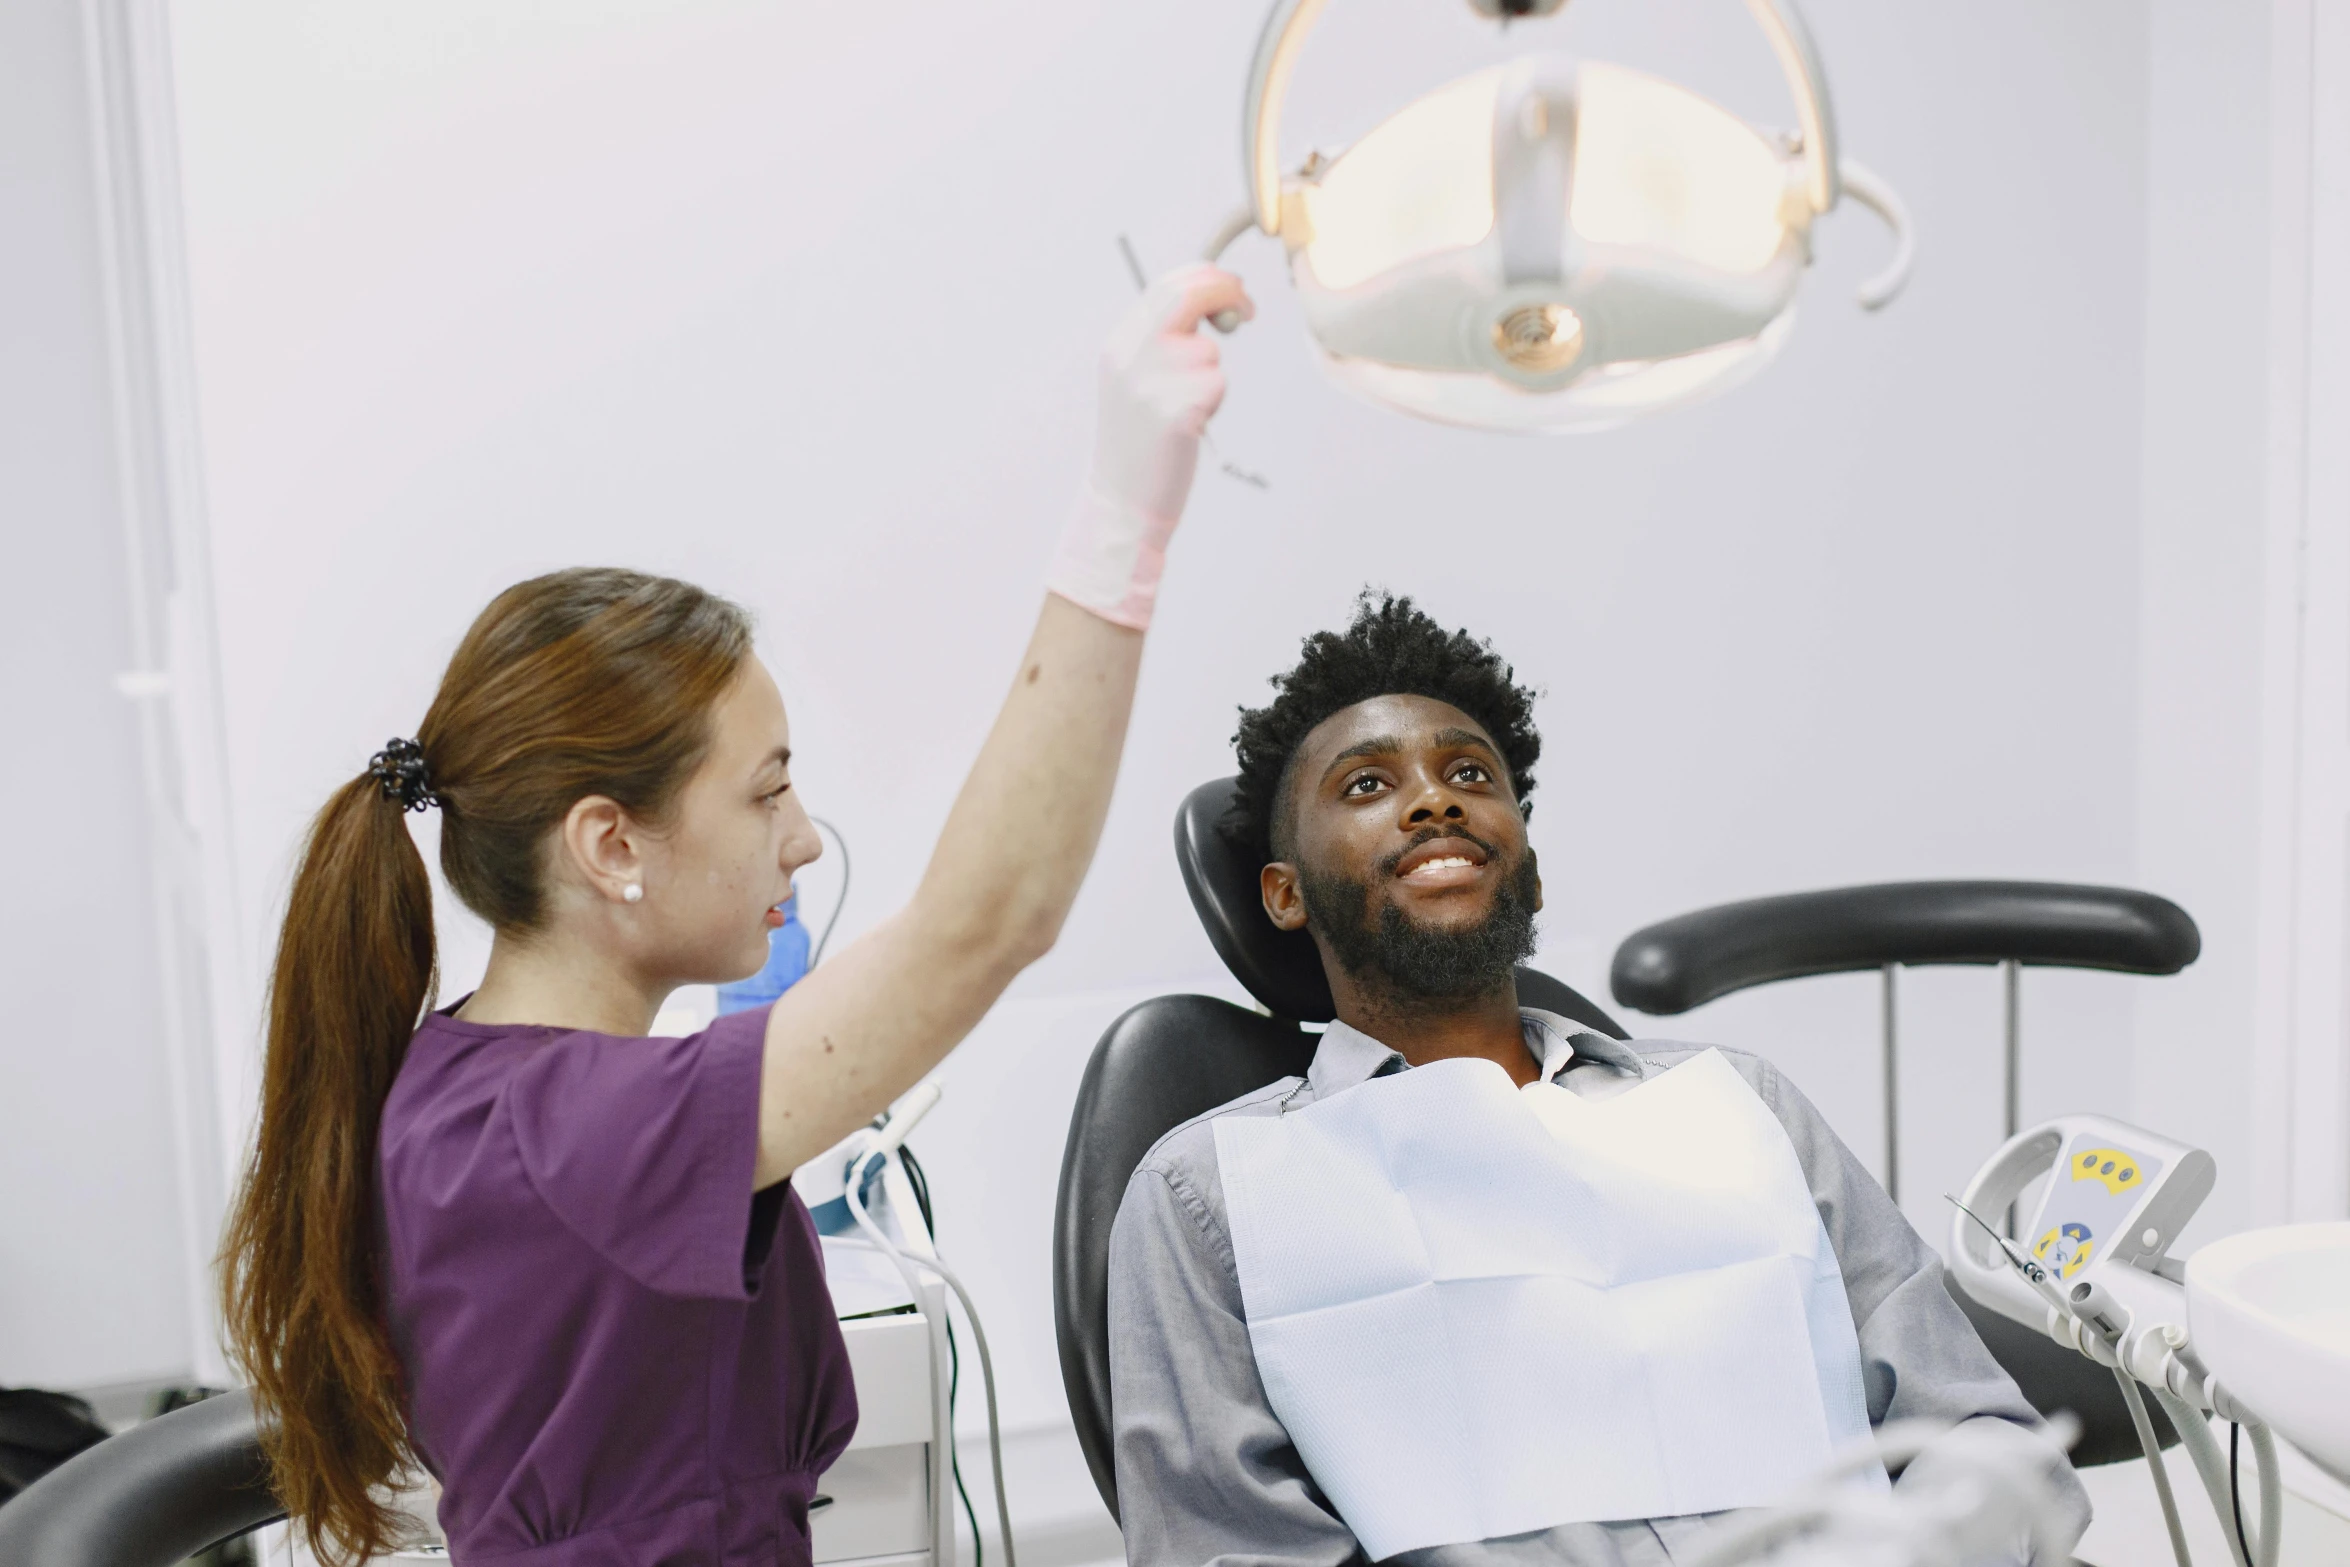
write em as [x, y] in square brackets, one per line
[1482, 1310]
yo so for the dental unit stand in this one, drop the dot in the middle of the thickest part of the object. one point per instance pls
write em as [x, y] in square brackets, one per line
[2097, 1277]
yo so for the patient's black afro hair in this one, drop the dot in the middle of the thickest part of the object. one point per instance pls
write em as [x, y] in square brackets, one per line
[1391, 649]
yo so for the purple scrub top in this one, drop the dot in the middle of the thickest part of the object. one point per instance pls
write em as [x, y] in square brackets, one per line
[616, 1353]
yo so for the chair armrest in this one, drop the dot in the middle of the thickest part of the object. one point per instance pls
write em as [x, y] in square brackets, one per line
[1694, 958]
[151, 1497]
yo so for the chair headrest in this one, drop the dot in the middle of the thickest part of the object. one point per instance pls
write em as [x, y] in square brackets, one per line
[1281, 968]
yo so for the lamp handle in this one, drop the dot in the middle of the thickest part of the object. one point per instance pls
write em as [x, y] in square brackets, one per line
[1284, 39]
[1863, 185]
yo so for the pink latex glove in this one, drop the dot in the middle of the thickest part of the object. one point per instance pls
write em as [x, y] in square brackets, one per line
[1160, 382]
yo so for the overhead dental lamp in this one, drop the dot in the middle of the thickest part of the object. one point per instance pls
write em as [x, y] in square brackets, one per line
[1553, 244]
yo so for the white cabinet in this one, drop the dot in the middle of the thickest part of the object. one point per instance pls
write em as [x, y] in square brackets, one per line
[876, 1503]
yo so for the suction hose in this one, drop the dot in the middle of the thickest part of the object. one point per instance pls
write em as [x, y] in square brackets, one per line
[2212, 1465]
[906, 1266]
[902, 1117]
[2154, 1464]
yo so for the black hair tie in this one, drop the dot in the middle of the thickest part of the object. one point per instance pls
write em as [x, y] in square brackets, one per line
[399, 769]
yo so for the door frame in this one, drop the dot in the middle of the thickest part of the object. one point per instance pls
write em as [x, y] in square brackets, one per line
[2301, 1046]
[174, 682]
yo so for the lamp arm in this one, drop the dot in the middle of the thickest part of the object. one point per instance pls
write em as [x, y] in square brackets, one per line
[1278, 46]
[1283, 39]
[1807, 79]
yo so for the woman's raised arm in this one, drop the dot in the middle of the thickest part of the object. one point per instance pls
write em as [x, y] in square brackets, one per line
[863, 1028]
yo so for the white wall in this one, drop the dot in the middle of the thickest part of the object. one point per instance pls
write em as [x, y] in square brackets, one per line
[93, 1288]
[802, 304]
[2243, 775]
[2202, 574]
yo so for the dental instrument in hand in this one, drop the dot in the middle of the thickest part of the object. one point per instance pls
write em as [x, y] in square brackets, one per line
[1231, 469]
[886, 1140]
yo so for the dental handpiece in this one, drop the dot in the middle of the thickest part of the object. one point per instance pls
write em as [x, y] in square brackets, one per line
[2033, 1273]
[2094, 1304]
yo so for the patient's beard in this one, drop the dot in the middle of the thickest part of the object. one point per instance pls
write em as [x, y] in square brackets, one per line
[1412, 964]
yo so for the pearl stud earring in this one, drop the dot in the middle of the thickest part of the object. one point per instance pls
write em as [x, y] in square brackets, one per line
[632, 893]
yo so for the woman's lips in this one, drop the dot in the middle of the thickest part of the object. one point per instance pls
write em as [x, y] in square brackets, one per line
[775, 918]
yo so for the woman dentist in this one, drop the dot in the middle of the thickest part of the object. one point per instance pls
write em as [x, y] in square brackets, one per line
[559, 1263]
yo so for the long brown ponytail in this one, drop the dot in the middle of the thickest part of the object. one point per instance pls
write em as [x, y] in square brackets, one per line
[581, 682]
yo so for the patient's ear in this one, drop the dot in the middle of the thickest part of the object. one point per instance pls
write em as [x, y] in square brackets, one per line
[1285, 906]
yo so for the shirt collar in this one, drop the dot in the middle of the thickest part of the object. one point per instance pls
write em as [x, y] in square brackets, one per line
[1348, 1056]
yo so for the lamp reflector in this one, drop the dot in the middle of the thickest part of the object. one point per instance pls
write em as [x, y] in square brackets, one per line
[1601, 400]
[1660, 168]
[1418, 185]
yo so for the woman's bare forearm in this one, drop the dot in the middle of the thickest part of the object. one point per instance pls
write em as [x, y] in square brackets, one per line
[867, 1025]
[1023, 830]
[859, 1031]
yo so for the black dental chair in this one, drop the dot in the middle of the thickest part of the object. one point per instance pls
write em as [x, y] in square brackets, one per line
[153, 1496]
[1175, 1057]
[1694, 958]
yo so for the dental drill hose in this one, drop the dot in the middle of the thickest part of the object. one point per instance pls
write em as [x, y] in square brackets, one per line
[2091, 1307]
[901, 1124]
[2094, 1306]
[906, 1265]
[2146, 1439]
[2096, 1314]
[2272, 1494]
[2212, 1466]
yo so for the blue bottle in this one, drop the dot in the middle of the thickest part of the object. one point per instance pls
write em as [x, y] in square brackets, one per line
[787, 961]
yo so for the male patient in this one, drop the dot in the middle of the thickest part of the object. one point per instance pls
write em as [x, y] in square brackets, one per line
[1486, 1287]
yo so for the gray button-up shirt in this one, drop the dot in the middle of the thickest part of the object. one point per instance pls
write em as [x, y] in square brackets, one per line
[1206, 1473]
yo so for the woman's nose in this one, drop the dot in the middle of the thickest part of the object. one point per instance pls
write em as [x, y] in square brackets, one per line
[803, 847]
